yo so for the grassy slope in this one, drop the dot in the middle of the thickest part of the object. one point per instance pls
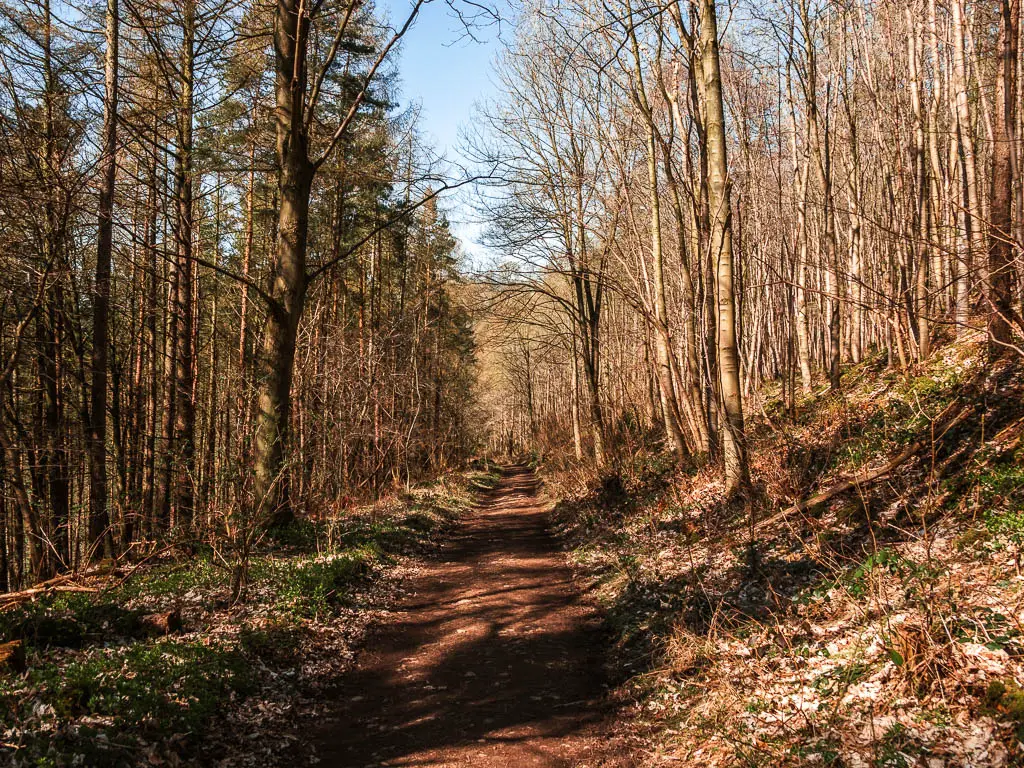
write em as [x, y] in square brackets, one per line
[99, 692]
[882, 628]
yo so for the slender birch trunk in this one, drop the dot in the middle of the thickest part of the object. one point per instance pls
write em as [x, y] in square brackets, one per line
[734, 439]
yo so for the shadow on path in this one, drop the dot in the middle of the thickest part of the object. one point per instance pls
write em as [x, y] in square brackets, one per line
[493, 660]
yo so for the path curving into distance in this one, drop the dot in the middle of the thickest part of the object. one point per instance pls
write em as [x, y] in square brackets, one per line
[493, 659]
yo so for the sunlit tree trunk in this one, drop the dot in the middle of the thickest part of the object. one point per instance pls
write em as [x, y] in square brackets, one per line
[1002, 275]
[734, 439]
[970, 251]
[919, 162]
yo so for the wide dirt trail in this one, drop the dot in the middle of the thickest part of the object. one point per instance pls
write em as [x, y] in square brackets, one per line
[493, 659]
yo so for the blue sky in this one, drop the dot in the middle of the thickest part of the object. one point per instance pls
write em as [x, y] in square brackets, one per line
[447, 73]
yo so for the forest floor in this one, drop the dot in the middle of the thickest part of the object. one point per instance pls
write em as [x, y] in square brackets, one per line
[881, 625]
[493, 659]
[151, 663]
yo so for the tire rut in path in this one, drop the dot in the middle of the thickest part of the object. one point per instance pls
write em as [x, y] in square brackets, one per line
[493, 659]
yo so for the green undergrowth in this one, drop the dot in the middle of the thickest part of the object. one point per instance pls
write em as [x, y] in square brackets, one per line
[103, 689]
[108, 705]
[877, 628]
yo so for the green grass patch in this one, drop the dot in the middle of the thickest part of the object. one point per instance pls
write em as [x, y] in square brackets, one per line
[1002, 496]
[198, 573]
[67, 620]
[309, 589]
[117, 696]
[897, 748]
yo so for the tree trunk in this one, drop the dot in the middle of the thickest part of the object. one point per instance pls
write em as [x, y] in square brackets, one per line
[734, 442]
[288, 277]
[1002, 278]
[99, 516]
[183, 495]
[662, 340]
[162, 501]
[577, 434]
[921, 189]
[288, 293]
[149, 452]
[974, 240]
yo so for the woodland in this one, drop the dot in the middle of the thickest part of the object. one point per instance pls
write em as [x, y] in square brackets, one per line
[751, 309]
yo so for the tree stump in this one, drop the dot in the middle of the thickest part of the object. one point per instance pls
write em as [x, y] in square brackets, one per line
[12, 657]
[165, 623]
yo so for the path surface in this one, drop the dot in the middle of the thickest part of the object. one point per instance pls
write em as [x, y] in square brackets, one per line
[493, 659]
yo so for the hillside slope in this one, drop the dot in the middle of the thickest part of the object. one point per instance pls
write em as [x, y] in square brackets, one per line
[879, 625]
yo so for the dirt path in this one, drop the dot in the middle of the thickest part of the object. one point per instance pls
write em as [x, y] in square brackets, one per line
[492, 660]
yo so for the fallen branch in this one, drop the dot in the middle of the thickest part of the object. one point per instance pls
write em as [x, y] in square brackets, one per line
[62, 583]
[871, 475]
[1008, 438]
[12, 599]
